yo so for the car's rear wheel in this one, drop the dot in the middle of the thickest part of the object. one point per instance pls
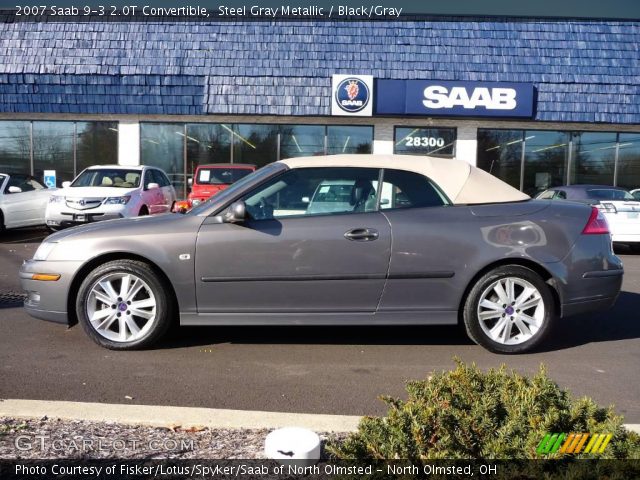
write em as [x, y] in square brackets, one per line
[143, 211]
[122, 305]
[509, 310]
[2, 228]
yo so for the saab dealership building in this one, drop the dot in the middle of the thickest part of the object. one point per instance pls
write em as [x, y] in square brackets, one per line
[536, 102]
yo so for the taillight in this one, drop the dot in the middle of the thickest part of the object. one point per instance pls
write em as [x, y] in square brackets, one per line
[597, 224]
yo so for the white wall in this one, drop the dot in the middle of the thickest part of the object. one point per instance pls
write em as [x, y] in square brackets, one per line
[128, 142]
[467, 143]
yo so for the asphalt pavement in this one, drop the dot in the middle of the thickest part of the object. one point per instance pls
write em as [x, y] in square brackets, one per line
[331, 370]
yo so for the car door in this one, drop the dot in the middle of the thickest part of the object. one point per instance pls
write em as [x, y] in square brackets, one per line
[284, 259]
[168, 192]
[154, 198]
[27, 207]
[430, 243]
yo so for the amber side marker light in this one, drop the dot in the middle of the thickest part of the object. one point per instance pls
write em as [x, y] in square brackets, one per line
[45, 277]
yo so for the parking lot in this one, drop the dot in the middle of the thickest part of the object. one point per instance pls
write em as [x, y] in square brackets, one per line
[297, 369]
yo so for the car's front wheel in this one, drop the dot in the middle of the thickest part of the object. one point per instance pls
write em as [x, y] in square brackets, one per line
[509, 310]
[123, 305]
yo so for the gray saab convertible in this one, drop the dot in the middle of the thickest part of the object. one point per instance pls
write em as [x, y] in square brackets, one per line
[338, 240]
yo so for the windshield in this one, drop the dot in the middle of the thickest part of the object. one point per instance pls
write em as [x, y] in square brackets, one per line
[108, 178]
[221, 175]
[609, 194]
[258, 175]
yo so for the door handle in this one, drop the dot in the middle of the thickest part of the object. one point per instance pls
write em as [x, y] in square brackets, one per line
[362, 234]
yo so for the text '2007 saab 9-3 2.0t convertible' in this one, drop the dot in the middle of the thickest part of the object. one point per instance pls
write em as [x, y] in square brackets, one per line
[338, 240]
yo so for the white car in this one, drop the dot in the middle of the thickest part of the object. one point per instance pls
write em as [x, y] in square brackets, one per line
[23, 201]
[619, 207]
[105, 192]
[635, 193]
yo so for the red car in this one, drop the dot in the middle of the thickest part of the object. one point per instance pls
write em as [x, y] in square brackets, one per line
[211, 179]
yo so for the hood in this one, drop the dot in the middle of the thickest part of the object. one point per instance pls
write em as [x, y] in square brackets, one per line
[94, 192]
[119, 226]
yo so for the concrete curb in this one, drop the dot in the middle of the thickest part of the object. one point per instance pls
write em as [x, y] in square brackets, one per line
[184, 416]
[634, 427]
[167, 416]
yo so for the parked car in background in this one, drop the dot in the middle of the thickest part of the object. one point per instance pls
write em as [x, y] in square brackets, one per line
[636, 193]
[465, 246]
[23, 201]
[105, 192]
[210, 179]
[619, 207]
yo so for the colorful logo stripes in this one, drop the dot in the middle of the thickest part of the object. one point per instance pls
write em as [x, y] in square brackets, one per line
[574, 443]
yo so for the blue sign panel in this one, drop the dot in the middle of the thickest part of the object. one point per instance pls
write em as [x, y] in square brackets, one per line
[458, 99]
[50, 178]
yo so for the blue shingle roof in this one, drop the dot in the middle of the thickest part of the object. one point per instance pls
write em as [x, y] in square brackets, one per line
[585, 71]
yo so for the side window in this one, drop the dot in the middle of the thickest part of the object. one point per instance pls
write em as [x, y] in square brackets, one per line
[160, 178]
[548, 195]
[402, 189]
[560, 194]
[315, 191]
[25, 183]
[149, 177]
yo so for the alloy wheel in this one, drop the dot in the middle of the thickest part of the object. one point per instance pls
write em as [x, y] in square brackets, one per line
[121, 307]
[511, 311]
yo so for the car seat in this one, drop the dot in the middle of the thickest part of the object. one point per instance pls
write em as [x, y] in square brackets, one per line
[362, 195]
[132, 178]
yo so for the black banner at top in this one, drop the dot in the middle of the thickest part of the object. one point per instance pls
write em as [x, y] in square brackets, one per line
[344, 9]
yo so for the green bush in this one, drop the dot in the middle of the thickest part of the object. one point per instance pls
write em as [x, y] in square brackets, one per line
[468, 414]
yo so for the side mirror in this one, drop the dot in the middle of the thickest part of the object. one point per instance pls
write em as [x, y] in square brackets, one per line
[66, 184]
[237, 213]
[385, 201]
[13, 189]
[152, 185]
[306, 199]
[190, 181]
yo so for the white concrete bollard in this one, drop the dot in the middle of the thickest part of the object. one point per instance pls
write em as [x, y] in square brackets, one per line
[293, 443]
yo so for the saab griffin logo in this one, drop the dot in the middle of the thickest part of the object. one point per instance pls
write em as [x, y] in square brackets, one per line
[352, 89]
[352, 95]
[574, 443]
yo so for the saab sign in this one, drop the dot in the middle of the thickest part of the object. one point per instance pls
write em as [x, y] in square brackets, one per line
[352, 95]
[468, 99]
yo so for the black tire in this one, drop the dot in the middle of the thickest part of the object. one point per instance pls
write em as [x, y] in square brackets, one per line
[53, 229]
[143, 211]
[2, 229]
[473, 323]
[164, 307]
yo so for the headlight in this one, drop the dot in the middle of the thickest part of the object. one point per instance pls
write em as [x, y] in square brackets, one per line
[117, 200]
[44, 250]
[56, 199]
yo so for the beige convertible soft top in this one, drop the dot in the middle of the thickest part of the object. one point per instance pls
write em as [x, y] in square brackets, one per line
[460, 181]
